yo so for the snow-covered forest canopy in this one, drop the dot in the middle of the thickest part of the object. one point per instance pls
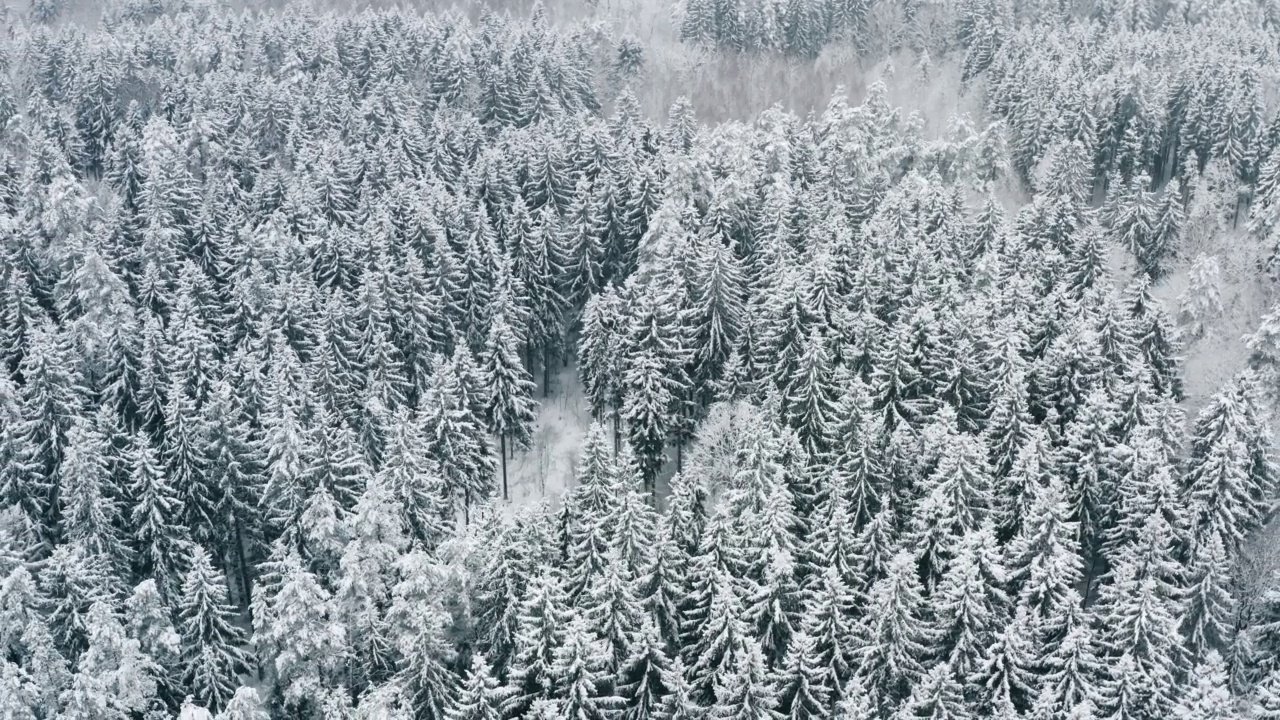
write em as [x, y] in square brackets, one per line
[946, 394]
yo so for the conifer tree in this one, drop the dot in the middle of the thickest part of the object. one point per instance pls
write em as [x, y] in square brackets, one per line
[1138, 624]
[599, 352]
[647, 409]
[1266, 698]
[1006, 678]
[810, 398]
[72, 580]
[956, 499]
[147, 620]
[415, 480]
[970, 603]
[292, 634]
[1207, 694]
[642, 682]
[367, 571]
[893, 642]
[1210, 603]
[1044, 564]
[579, 674]
[614, 612]
[803, 691]
[1230, 466]
[510, 409]
[244, 705]
[113, 677]
[1071, 672]
[90, 511]
[481, 696]
[542, 627]
[212, 657]
[714, 633]
[161, 541]
[430, 682]
[745, 693]
[454, 437]
[938, 695]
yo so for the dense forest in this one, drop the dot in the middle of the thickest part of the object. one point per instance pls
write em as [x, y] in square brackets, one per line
[889, 423]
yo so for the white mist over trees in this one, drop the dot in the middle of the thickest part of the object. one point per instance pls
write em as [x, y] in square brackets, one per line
[887, 422]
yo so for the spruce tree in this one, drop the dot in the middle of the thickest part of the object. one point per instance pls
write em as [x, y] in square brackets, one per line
[542, 627]
[893, 641]
[579, 674]
[1266, 698]
[90, 508]
[212, 655]
[481, 696]
[160, 540]
[510, 408]
[1210, 603]
[291, 631]
[613, 611]
[1207, 694]
[647, 409]
[147, 620]
[113, 677]
[244, 705]
[642, 679]
[802, 689]
[745, 693]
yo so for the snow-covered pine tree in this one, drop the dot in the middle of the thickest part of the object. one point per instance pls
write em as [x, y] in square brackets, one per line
[1207, 694]
[510, 408]
[803, 691]
[294, 633]
[212, 653]
[642, 680]
[893, 640]
[244, 705]
[160, 540]
[480, 697]
[745, 692]
[147, 621]
[579, 673]
[542, 626]
[90, 505]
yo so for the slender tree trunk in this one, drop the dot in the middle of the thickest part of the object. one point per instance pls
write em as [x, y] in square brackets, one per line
[503, 440]
[1088, 579]
[679, 457]
[546, 373]
[243, 567]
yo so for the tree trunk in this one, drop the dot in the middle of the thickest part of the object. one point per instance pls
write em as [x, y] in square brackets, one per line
[546, 373]
[503, 440]
[243, 567]
[1088, 580]
[679, 457]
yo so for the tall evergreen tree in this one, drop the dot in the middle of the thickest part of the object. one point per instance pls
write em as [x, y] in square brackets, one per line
[510, 409]
[212, 654]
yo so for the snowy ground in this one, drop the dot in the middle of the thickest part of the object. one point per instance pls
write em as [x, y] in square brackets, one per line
[548, 467]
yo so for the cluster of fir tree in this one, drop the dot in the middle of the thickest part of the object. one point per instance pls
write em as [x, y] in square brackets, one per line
[795, 27]
[313, 266]
[259, 269]
[1157, 94]
[968, 436]
[973, 31]
[1154, 106]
